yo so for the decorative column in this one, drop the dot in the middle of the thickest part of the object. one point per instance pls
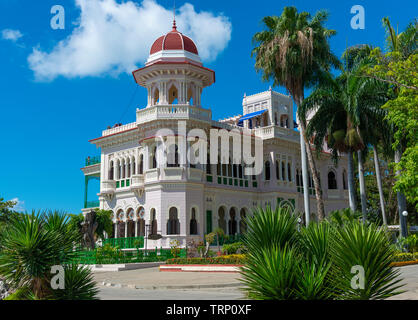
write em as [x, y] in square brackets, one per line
[136, 226]
[126, 227]
[116, 229]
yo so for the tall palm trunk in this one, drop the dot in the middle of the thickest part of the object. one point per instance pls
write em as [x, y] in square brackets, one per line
[350, 178]
[401, 199]
[318, 190]
[305, 179]
[379, 184]
[362, 185]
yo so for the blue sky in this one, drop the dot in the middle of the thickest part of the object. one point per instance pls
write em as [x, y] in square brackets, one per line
[54, 99]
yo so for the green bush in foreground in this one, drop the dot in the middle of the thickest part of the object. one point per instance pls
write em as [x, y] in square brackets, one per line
[238, 259]
[318, 261]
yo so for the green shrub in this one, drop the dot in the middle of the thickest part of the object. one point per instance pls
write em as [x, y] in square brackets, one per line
[405, 256]
[271, 274]
[232, 259]
[365, 245]
[233, 248]
[316, 263]
[79, 284]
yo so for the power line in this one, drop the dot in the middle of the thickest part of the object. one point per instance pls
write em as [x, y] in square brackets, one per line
[130, 102]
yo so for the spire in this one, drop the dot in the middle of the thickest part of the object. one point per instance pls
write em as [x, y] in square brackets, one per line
[174, 17]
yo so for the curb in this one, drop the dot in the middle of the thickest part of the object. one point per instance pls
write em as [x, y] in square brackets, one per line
[404, 263]
[201, 286]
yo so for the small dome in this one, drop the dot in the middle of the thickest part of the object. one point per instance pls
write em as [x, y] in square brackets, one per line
[174, 40]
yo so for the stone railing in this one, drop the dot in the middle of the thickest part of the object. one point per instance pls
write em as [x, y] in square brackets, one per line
[137, 181]
[176, 112]
[276, 132]
[108, 186]
[125, 127]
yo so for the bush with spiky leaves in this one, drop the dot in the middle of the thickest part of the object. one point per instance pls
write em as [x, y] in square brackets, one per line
[316, 263]
[368, 246]
[79, 284]
[30, 246]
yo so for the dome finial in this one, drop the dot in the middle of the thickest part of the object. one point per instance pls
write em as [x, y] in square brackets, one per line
[174, 16]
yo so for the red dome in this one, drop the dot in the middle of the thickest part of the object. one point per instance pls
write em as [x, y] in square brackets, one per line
[174, 40]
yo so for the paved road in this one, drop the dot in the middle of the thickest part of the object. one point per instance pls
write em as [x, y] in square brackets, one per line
[136, 294]
[410, 276]
[145, 277]
[152, 277]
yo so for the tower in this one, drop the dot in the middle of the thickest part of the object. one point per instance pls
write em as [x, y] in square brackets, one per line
[174, 73]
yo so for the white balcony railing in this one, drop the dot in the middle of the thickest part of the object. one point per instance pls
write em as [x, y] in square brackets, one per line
[169, 112]
[125, 127]
[108, 186]
[137, 181]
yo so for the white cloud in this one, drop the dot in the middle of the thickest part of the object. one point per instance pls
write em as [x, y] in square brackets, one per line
[20, 205]
[10, 34]
[113, 37]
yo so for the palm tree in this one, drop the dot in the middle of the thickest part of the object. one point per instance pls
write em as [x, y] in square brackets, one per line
[31, 245]
[295, 53]
[344, 109]
[405, 43]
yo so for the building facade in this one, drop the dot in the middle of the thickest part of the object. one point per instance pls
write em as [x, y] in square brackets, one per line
[181, 200]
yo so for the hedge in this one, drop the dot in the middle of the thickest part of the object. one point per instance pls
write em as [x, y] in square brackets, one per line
[237, 259]
[406, 256]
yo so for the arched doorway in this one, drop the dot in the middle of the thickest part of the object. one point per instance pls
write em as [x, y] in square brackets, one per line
[140, 216]
[221, 219]
[193, 222]
[243, 222]
[232, 223]
[173, 224]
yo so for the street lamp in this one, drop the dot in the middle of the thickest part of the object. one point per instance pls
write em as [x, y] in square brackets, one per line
[403, 224]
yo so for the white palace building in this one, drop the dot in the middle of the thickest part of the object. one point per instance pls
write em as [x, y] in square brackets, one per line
[183, 200]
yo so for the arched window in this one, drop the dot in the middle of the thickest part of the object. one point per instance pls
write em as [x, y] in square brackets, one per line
[232, 223]
[283, 170]
[173, 95]
[173, 156]
[230, 168]
[267, 170]
[277, 170]
[193, 222]
[240, 173]
[120, 216]
[133, 165]
[119, 170]
[128, 168]
[345, 180]
[243, 222]
[154, 158]
[208, 165]
[156, 96]
[111, 171]
[289, 172]
[141, 222]
[141, 164]
[130, 223]
[235, 170]
[332, 182]
[190, 95]
[298, 178]
[284, 121]
[173, 224]
[221, 219]
[154, 224]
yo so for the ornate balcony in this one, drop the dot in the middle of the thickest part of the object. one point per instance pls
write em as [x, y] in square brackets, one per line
[170, 112]
[137, 184]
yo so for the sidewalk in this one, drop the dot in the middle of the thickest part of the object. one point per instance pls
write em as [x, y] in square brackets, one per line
[152, 278]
